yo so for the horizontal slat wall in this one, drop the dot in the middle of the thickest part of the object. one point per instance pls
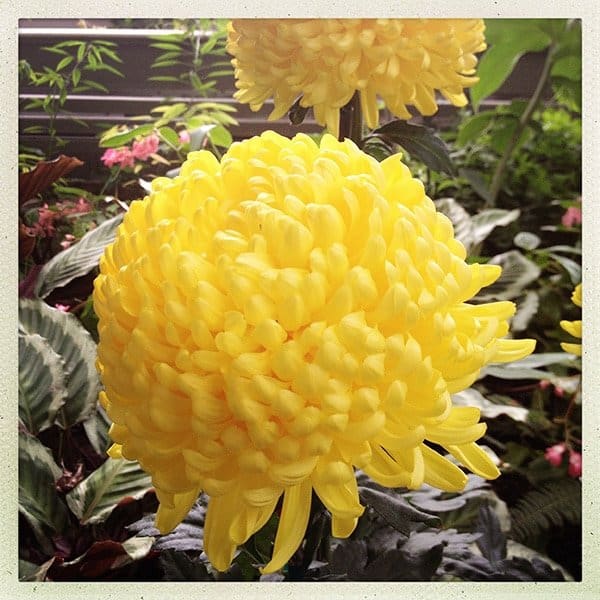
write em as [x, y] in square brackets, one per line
[135, 95]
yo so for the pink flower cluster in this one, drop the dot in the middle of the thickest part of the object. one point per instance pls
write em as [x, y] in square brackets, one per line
[47, 216]
[126, 157]
[554, 455]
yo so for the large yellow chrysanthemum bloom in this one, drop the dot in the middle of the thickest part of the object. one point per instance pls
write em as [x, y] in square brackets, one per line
[271, 321]
[573, 327]
[403, 61]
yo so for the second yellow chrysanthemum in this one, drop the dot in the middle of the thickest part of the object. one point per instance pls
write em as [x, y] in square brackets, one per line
[403, 61]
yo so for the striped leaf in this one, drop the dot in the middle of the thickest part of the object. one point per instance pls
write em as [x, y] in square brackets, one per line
[78, 260]
[67, 338]
[94, 498]
[38, 474]
[42, 389]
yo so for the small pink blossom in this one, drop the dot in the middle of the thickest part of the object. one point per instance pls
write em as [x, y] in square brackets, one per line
[145, 147]
[544, 384]
[184, 136]
[45, 223]
[62, 307]
[67, 241]
[121, 156]
[574, 469]
[559, 392]
[572, 216]
[554, 454]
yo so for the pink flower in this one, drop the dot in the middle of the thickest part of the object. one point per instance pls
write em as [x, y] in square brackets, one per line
[143, 148]
[45, 223]
[572, 216]
[122, 156]
[184, 136]
[62, 307]
[67, 241]
[554, 454]
[574, 469]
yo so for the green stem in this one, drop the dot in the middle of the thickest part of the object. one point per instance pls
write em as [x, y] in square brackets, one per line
[522, 124]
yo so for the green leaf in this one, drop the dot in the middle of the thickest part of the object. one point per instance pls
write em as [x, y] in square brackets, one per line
[527, 307]
[77, 260]
[478, 183]
[527, 240]
[220, 136]
[80, 52]
[110, 69]
[163, 78]
[110, 53]
[209, 44]
[420, 142]
[167, 46]
[487, 220]
[76, 76]
[509, 39]
[96, 429]
[38, 474]
[568, 67]
[174, 111]
[540, 359]
[501, 372]
[196, 81]
[67, 337]
[169, 135]
[54, 50]
[95, 85]
[67, 60]
[32, 572]
[490, 410]
[42, 388]
[517, 273]
[165, 63]
[572, 268]
[120, 139]
[472, 127]
[396, 511]
[568, 93]
[94, 498]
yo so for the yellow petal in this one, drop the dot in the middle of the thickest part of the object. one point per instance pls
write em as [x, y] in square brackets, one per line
[292, 525]
[441, 473]
[475, 459]
[249, 520]
[168, 518]
[385, 470]
[571, 348]
[340, 499]
[342, 528]
[219, 547]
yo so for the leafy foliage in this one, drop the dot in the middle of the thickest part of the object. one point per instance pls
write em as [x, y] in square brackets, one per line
[66, 338]
[77, 260]
[85, 518]
[38, 474]
[94, 498]
[72, 74]
[42, 388]
[551, 505]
